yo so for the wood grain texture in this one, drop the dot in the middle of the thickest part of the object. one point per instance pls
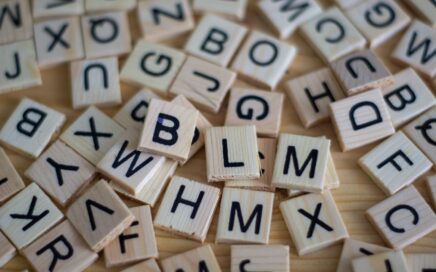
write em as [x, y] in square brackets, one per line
[392, 260]
[274, 258]
[7, 250]
[150, 265]
[421, 262]
[192, 260]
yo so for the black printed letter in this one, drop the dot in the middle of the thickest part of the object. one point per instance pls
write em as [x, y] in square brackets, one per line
[31, 121]
[57, 255]
[179, 200]
[354, 108]
[170, 130]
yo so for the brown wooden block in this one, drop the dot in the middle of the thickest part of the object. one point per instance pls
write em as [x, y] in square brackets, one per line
[95, 82]
[425, 9]
[255, 107]
[19, 67]
[31, 127]
[164, 19]
[346, 4]
[416, 48]
[286, 17]
[152, 65]
[10, 180]
[187, 208]
[314, 222]
[61, 172]
[168, 130]
[233, 9]
[264, 59]
[361, 119]
[145, 266]
[99, 215]
[215, 39]
[136, 243]
[106, 34]
[16, 21]
[431, 183]
[104, 5]
[332, 35]
[55, 8]
[387, 261]
[92, 134]
[402, 218]
[60, 249]
[7, 250]
[200, 258]
[27, 215]
[245, 216]
[232, 153]
[260, 258]
[421, 262]
[204, 83]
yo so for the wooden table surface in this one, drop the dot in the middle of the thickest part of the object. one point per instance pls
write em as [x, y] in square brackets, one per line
[356, 194]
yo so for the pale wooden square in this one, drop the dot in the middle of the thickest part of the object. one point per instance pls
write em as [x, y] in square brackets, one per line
[192, 260]
[421, 262]
[145, 266]
[16, 26]
[56, 8]
[260, 258]
[346, 4]
[10, 180]
[431, 183]
[386, 261]
[7, 250]
[234, 9]
[105, 5]
[425, 9]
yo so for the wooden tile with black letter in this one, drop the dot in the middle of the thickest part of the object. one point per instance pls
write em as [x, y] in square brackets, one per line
[200, 258]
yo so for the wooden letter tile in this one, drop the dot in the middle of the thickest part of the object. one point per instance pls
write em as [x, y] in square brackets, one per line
[426, 9]
[198, 259]
[245, 216]
[145, 266]
[386, 261]
[7, 250]
[31, 127]
[104, 5]
[27, 215]
[234, 9]
[187, 208]
[402, 218]
[15, 22]
[421, 262]
[314, 222]
[260, 258]
[10, 180]
[346, 4]
[431, 182]
[56, 8]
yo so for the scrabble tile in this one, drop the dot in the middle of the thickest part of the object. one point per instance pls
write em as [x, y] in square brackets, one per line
[294, 155]
[15, 22]
[95, 82]
[201, 258]
[99, 215]
[215, 39]
[134, 111]
[314, 222]
[27, 215]
[387, 261]
[332, 35]
[7, 250]
[10, 180]
[416, 48]
[19, 67]
[172, 128]
[260, 258]
[425, 9]
[255, 107]
[136, 243]
[431, 183]
[152, 65]
[164, 19]
[61, 172]
[51, 8]
[361, 119]
[187, 208]
[204, 83]
[126, 165]
[239, 159]
[264, 59]
[244, 216]
[149, 265]
[106, 34]
[421, 262]
[361, 71]
[60, 249]
[104, 5]
[346, 4]
[402, 218]
[58, 41]
[311, 95]
[378, 20]
[286, 17]
[30, 127]
[92, 134]
[233, 9]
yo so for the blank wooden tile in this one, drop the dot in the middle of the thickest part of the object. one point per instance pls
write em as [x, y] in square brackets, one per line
[16, 21]
[215, 39]
[361, 119]
[387, 261]
[61, 172]
[314, 222]
[187, 208]
[232, 153]
[106, 34]
[200, 258]
[346, 4]
[60, 249]
[245, 216]
[255, 107]
[19, 67]
[136, 243]
[415, 48]
[31, 127]
[7, 250]
[164, 19]
[402, 218]
[104, 5]
[58, 41]
[264, 59]
[99, 215]
[332, 35]
[10, 180]
[421, 262]
[425, 9]
[233, 9]
[56, 8]
[431, 183]
[260, 258]
[27, 215]
[92, 134]
[147, 266]
[152, 65]
[204, 83]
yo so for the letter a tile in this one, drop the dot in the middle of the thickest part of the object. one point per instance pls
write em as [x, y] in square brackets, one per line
[16, 21]
[274, 258]
[198, 259]
[10, 180]
[386, 261]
